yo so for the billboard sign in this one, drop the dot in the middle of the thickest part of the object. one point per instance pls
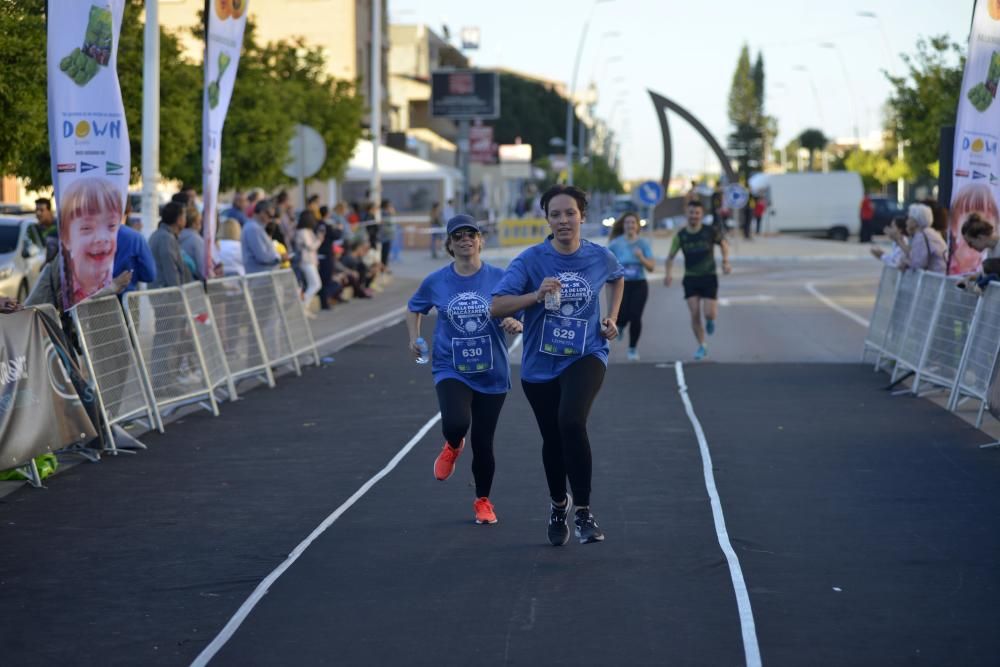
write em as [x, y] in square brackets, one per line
[465, 94]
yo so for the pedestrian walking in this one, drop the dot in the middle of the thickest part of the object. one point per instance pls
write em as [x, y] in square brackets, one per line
[635, 254]
[565, 348]
[470, 365]
[701, 282]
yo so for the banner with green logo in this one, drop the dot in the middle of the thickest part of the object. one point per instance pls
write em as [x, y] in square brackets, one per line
[223, 41]
[88, 140]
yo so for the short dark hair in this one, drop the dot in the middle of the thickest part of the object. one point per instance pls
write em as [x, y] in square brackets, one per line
[44, 201]
[312, 198]
[282, 197]
[262, 206]
[975, 226]
[324, 211]
[180, 198]
[172, 213]
[697, 203]
[571, 190]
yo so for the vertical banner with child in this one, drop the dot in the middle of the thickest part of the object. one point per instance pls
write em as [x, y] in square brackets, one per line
[976, 183]
[88, 140]
[225, 22]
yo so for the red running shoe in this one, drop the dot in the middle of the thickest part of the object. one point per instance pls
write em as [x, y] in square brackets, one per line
[484, 511]
[444, 464]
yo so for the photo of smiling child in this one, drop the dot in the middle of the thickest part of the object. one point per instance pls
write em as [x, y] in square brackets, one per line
[90, 213]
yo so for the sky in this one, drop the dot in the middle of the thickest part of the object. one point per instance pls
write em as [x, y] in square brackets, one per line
[687, 51]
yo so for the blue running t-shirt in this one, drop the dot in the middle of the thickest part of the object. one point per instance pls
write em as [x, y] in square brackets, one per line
[624, 250]
[554, 340]
[469, 345]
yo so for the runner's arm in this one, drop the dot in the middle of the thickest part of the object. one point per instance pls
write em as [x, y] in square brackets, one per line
[505, 305]
[613, 292]
[668, 265]
[724, 246]
[413, 328]
[648, 261]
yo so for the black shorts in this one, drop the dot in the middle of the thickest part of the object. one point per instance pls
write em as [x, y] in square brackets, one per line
[706, 287]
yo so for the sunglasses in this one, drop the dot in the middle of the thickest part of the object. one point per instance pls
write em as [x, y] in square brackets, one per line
[460, 234]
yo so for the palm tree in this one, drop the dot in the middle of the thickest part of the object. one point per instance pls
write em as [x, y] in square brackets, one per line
[813, 140]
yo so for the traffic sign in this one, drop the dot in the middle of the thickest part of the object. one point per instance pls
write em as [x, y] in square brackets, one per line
[306, 153]
[650, 193]
[736, 196]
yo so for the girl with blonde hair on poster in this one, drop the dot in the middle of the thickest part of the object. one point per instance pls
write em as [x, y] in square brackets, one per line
[90, 212]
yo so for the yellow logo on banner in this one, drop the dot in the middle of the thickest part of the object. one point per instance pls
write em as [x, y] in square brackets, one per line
[82, 129]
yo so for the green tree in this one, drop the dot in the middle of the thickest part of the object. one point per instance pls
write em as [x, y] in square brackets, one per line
[532, 111]
[813, 140]
[926, 98]
[596, 175]
[746, 142]
[23, 106]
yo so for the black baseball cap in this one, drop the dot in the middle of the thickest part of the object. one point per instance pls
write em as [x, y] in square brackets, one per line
[460, 221]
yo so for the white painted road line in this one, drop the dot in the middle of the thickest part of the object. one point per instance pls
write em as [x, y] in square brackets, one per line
[811, 288]
[751, 649]
[754, 298]
[368, 326]
[264, 586]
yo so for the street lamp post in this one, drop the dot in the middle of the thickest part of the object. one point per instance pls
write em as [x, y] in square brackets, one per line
[812, 84]
[850, 87]
[572, 93]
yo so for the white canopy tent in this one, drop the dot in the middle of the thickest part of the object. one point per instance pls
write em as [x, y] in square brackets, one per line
[399, 167]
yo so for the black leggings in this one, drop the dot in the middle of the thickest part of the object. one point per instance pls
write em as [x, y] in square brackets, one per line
[630, 313]
[561, 408]
[460, 405]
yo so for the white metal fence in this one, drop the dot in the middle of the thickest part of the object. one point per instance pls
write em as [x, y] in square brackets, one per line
[946, 336]
[168, 347]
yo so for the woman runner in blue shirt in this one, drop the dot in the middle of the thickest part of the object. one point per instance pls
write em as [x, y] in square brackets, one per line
[470, 366]
[636, 255]
[565, 348]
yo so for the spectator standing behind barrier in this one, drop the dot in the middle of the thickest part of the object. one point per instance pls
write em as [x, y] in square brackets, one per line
[980, 235]
[133, 254]
[896, 231]
[192, 244]
[926, 249]
[170, 268]
[50, 230]
[308, 244]
[231, 249]
[386, 233]
[236, 211]
[259, 253]
[171, 271]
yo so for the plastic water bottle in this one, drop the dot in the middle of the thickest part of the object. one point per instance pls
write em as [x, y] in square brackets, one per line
[553, 300]
[423, 358]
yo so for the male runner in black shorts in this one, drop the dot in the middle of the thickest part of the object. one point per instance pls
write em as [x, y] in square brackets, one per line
[701, 284]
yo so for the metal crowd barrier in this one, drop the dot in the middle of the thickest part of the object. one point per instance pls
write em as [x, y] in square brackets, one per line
[203, 323]
[945, 336]
[299, 334]
[237, 324]
[945, 345]
[979, 358]
[879, 323]
[111, 361]
[169, 352]
[263, 294]
[922, 315]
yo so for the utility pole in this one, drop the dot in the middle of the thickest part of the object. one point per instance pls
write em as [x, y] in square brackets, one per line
[375, 102]
[150, 208]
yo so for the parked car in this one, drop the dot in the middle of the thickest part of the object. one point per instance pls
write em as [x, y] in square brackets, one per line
[15, 209]
[22, 254]
[884, 210]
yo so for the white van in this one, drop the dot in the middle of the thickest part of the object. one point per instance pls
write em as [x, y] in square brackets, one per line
[812, 203]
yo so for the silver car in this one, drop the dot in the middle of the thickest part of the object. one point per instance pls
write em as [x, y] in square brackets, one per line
[22, 254]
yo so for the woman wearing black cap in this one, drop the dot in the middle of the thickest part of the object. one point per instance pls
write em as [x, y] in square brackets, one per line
[470, 366]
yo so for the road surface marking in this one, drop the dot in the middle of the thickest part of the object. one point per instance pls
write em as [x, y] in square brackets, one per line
[264, 586]
[755, 298]
[751, 648]
[811, 288]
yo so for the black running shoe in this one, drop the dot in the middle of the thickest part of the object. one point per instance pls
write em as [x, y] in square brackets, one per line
[558, 526]
[587, 530]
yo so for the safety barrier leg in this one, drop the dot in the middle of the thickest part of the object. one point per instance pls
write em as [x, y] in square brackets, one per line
[284, 325]
[909, 319]
[268, 373]
[147, 383]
